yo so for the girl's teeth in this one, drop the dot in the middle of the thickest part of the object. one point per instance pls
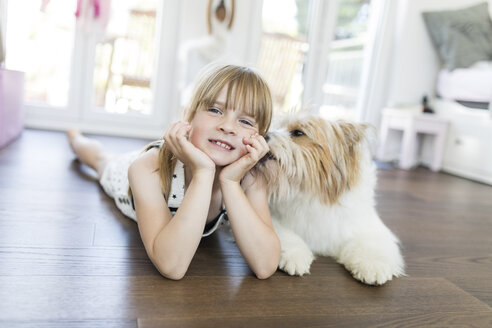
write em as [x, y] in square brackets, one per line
[223, 145]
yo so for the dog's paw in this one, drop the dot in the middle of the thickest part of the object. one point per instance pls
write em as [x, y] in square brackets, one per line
[296, 261]
[375, 273]
[371, 264]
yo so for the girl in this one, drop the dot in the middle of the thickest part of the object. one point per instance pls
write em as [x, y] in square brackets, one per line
[180, 187]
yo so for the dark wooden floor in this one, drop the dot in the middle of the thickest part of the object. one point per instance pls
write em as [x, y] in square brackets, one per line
[68, 258]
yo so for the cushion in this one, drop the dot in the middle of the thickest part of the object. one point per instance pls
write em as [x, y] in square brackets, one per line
[462, 37]
[11, 105]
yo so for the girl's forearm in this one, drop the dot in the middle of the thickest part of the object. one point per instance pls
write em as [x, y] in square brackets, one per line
[176, 244]
[256, 240]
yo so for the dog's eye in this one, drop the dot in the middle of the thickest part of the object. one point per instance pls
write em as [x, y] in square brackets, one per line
[296, 133]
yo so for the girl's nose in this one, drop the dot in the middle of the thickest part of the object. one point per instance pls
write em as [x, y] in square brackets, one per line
[227, 126]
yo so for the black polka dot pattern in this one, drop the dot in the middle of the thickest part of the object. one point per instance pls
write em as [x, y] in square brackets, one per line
[114, 181]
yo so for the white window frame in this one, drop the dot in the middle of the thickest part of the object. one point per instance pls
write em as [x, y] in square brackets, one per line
[372, 91]
[80, 112]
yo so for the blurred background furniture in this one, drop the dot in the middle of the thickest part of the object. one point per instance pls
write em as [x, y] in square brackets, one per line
[11, 105]
[414, 124]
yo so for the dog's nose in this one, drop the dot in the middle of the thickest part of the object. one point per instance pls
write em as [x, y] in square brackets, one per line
[267, 137]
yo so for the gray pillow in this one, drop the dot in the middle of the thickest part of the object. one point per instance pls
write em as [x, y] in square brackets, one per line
[462, 37]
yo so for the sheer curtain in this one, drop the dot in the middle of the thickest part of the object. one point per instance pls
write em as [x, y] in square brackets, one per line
[375, 74]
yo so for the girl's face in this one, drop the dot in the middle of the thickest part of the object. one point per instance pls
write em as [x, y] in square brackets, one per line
[219, 131]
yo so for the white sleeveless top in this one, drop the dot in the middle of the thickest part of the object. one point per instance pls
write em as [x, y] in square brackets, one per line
[114, 181]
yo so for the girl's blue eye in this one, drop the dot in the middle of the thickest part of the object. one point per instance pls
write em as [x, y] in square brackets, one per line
[214, 110]
[246, 122]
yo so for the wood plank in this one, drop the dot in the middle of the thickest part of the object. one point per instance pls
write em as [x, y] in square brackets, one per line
[438, 319]
[478, 285]
[74, 323]
[215, 257]
[45, 233]
[58, 261]
[81, 297]
[117, 232]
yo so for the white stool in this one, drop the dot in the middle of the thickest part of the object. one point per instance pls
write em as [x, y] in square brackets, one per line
[412, 122]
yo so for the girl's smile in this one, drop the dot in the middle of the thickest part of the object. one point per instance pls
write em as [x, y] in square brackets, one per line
[224, 145]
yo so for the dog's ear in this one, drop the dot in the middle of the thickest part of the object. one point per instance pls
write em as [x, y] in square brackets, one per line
[341, 159]
[353, 132]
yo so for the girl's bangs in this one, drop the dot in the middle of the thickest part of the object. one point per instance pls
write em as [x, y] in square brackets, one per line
[245, 91]
[241, 94]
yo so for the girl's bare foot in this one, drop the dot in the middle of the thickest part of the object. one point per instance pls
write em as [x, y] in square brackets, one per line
[72, 134]
[89, 151]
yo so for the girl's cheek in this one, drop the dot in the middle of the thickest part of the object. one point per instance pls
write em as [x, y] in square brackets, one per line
[192, 137]
[244, 151]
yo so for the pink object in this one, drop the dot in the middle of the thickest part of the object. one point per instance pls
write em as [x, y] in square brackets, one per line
[99, 9]
[79, 8]
[44, 4]
[11, 105]
[104, 11]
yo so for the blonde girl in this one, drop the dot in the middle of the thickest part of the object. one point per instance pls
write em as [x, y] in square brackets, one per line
[184, 186]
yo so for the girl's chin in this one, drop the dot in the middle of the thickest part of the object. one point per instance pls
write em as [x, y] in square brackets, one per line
[224, 159]
[221, 162]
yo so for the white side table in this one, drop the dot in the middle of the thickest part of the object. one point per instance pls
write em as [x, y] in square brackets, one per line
[413, 122]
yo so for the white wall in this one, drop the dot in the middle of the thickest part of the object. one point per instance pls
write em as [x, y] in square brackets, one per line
[415, 60]
[415, 64]
[245, 33]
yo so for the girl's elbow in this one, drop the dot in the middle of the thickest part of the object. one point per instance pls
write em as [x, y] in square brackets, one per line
[170, 271]
[265, 273]
[269, 269]
[174, 275]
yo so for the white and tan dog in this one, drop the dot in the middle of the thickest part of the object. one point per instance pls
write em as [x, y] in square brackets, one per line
[322, 181]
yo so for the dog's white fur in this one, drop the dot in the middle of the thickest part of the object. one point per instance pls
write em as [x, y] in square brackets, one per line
[322, 183]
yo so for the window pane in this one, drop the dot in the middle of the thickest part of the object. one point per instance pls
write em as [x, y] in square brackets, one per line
[283, 48]
[342, 82]
[40, 44]
[124, 58]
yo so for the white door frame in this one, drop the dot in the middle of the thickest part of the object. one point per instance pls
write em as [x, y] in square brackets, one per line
[80, 112]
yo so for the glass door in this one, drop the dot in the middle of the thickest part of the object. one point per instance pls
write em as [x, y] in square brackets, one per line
[87, 63]
[40, 42]
[283, 49]
[341, 87]
[312, 54]
[121, 60]
[124, 61]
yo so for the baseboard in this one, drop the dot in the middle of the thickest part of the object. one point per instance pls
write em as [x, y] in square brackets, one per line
[475, 175]
[118, 130]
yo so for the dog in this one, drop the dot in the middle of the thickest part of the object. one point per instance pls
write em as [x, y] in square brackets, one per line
[321, 182]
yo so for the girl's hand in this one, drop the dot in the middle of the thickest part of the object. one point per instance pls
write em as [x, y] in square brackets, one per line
[257, 147]
[176, 138]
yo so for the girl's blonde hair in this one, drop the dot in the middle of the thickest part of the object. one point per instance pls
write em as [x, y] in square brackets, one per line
[246, 90]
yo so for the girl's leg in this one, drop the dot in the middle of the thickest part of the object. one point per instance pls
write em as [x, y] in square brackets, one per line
[89, 151]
